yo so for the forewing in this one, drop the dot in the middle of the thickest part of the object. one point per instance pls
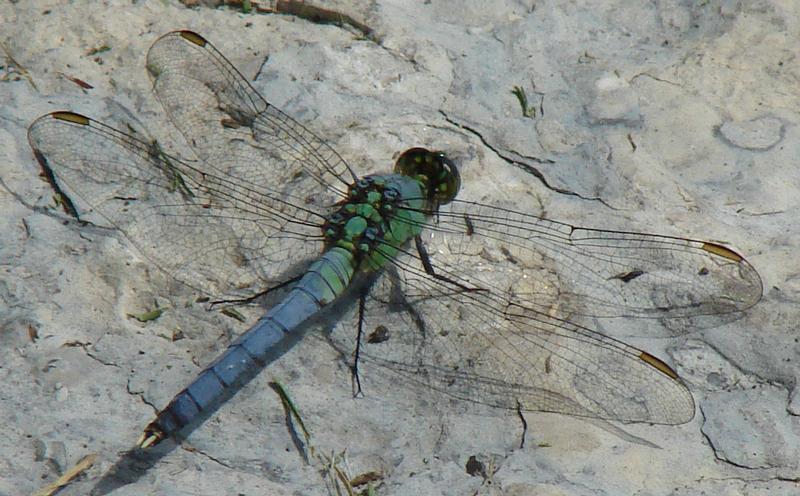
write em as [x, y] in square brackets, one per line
[217, 233]
[233, 129]
[594, 272]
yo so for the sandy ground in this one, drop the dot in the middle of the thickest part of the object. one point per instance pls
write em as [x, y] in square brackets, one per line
[671, 117]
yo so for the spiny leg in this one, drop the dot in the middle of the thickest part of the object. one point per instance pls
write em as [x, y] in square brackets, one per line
[362, 301]
[250, 299]
[426, 264]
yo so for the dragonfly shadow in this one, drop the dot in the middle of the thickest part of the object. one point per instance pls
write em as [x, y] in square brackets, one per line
[685, 325]
[130, 467]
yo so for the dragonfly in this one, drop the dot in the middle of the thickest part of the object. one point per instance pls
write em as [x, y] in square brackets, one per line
[476, 302]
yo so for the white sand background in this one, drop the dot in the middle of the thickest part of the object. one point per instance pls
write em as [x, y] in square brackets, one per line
[708, 92]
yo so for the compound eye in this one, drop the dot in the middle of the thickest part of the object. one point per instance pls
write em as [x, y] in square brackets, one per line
[434, 169]
[448, 181]
[413, 161]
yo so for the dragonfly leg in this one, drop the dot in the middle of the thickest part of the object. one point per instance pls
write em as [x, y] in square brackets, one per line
[250, 299]
[362, 302]
[426, 264]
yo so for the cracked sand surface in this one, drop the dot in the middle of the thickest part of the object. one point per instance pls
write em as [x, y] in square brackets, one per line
[662, 118]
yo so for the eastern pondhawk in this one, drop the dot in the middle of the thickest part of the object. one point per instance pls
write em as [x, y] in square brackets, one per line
[474, 301]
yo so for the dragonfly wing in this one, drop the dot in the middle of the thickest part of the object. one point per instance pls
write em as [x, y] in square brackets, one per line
[216, 233]
[235, 130]
[594, 272]
[499, 323]
[486, 347]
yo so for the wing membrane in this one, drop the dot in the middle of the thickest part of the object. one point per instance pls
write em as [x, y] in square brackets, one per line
[487, 347]
[598, 273]
[216, 233]
[236, 131]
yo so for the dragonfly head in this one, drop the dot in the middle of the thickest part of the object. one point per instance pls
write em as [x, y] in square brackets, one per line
[434, 170]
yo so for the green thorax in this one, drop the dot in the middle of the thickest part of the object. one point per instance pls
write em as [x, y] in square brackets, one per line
[383, 212]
